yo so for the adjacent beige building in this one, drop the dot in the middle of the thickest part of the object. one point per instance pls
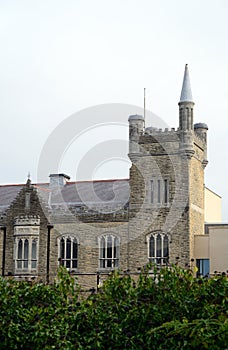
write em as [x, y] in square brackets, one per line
[213, 206]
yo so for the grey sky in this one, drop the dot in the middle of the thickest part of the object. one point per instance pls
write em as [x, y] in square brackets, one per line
[58, 57]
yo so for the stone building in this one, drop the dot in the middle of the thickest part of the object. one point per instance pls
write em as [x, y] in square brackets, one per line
[93, 227]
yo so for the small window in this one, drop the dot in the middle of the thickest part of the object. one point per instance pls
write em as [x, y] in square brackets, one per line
[166, 191]
[108, 252]
[159, 191]
[68, 252]
[152, 191]
[203, 266]
[158, 248]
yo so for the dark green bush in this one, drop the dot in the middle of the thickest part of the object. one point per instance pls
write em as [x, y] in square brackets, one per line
[169, 309]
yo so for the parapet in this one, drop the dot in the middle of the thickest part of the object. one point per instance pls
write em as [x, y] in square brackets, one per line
[154, 131]
[27, 220]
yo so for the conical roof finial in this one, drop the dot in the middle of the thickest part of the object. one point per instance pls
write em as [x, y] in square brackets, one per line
[28, 183]
[186, 92]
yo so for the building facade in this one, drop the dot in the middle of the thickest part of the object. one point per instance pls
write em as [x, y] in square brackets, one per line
[157, 215]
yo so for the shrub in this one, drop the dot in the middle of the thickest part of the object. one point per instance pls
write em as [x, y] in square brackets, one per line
[167, 309]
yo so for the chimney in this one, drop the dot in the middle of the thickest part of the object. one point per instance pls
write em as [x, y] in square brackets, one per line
[58, 180]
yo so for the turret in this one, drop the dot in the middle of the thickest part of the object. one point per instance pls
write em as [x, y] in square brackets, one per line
[136, 129]
[186, 106]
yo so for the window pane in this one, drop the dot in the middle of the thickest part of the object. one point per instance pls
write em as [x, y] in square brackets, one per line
[102, 248]
[34, 245]
[152, 191]
[19, 264]
[67, 264]
[62, 249]
[34, 251]
[75, 249]
[102, 264]
[75, 264]
[159, 191]
[158, 250]
[109, 247]
[109, 262]
[166, 247]
[206, 267]
[19, 252]
[68, 249]
[151, 247]
[116, 247]
[26, 246]
[166, 191]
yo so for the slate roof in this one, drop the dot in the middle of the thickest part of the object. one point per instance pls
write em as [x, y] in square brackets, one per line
[105, 195]
[7, 194]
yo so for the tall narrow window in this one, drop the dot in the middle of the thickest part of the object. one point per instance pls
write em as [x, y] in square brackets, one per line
[165, 191]
[152, 191]
[102, 252]
[109, 251]
[165, 246]
[158, 248]
[68, 251]
[75, 254]
[26, 250]
[159, 191]
[34, 254]
[19, 254]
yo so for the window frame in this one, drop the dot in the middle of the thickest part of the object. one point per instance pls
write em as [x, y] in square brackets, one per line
[154, 256]
[109, 255]
[68, 257]
[24, 260]
[201, 265]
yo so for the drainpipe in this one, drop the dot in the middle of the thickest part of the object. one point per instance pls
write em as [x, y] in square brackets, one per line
[4, 251]
[49, 227]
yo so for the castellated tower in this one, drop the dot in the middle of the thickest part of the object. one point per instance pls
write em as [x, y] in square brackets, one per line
[167, 186]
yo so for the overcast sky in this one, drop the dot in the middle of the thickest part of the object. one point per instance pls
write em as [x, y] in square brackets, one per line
[58, 57]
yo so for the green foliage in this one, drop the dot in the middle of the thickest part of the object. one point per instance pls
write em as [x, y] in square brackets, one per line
[166, 309]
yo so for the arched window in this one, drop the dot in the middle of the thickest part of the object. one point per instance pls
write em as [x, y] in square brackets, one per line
[108, 252]
[68, 252]
[158, 248]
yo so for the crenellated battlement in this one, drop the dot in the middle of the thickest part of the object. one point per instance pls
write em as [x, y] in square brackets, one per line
[154, 131]
[27, 220]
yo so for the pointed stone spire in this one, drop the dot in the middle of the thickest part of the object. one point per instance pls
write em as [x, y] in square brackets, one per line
[186, 93]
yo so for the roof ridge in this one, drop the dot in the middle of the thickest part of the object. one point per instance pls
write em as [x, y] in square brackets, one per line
[68, 182]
